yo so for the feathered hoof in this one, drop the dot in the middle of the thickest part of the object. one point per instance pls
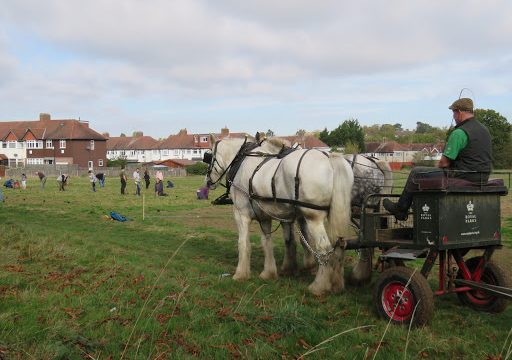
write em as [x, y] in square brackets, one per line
[268, 275]
[319, 289]
[241, 276]
[288, 271]
[358, 281]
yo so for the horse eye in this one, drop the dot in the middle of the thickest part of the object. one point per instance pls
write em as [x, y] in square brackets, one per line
[207, 158]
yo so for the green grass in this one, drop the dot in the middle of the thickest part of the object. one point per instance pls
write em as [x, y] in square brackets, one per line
[74, 285]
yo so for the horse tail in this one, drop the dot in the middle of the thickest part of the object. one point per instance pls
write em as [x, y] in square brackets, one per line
[388, 176]
[339, 214]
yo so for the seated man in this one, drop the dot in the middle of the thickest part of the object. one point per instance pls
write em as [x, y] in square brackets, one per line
[467, 155]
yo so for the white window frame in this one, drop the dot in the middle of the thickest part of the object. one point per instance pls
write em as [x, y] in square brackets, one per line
[100, 162]
[49, 144]
[204, 139]
[62, 144]
[91, 144]
[11, 144]
[31, 144]
[90, 164]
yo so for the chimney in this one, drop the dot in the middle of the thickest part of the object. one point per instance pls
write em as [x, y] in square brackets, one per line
[224, 132]
[43, 117]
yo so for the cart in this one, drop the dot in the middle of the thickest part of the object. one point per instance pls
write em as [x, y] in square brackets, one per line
[447, 220]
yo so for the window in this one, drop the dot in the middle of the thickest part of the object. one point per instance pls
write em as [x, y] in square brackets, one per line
[132, 152]
[100, 162]
[49, 144]
[91, 145]
[35, 161]
[89, 164]
[176, 152]
[165, 152]
[4, 145]
[62, 144]
[11, 144]
[31, 144]
[204, 139]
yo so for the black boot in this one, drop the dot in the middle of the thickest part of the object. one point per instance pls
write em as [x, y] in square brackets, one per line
[399, 212]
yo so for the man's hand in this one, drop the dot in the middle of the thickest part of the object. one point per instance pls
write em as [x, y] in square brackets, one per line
[444, 162]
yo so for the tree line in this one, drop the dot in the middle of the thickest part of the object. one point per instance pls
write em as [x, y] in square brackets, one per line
[351, 136]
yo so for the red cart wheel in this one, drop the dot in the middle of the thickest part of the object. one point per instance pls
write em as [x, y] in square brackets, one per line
[395, 301]
[481, 300]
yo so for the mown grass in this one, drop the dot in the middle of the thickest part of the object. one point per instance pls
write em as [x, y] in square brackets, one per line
[74, 285]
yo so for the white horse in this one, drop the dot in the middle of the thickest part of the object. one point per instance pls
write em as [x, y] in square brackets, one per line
[370, 177]
[308, 186]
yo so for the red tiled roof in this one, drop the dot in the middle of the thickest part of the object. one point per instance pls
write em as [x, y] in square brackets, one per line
[131, 143]
[68, 129]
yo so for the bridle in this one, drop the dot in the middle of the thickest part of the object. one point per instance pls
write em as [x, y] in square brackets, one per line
[233, 165]
[211, 159]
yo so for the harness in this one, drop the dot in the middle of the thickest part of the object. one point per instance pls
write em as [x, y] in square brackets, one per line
[246, 150]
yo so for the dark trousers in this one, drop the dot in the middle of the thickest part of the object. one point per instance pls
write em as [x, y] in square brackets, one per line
[147, 184]
[123, 186]
[417, 172]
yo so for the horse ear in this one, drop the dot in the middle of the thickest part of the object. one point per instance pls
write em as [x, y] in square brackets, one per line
[257, 136]
[212, 139]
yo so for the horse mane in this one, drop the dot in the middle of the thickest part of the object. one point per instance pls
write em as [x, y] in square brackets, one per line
[275, 144]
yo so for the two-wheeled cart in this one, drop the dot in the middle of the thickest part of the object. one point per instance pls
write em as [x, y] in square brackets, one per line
[447, 220]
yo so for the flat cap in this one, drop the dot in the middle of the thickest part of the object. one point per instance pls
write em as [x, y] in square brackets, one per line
[463, 104]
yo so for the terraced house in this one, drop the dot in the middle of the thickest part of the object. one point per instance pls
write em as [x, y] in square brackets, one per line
[47, 141]
[145, 149]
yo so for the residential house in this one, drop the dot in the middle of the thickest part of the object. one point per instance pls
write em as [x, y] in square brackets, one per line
[138, 149]
[399, 155]
[47, 141]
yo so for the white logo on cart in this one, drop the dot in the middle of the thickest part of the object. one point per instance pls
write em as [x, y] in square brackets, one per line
[470, 217]
[425, 215]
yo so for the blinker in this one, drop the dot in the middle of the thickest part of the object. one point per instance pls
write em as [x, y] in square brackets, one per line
[207, 158]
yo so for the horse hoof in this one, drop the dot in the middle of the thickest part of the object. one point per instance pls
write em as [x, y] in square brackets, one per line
[318, 290]
[241, 277]
[288, 272]
[268, 275]
[358, 282]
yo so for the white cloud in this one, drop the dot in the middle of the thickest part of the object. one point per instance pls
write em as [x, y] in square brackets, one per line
[303, 55]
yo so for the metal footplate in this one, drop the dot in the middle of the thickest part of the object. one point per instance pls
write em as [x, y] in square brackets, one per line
[492, 289]
[403, 254]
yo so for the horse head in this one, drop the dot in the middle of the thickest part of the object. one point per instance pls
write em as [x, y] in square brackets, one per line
[220, 159]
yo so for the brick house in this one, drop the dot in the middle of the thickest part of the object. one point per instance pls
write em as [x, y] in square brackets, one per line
[47, 141]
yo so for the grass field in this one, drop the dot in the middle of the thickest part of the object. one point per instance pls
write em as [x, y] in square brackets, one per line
[74, 285]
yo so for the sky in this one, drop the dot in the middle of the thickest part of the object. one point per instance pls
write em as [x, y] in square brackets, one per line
[158, 66]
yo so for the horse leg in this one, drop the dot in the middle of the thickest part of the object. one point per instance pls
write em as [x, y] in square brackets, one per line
[329, 278]
[243, 269]
[269, 268]
[289, 266]
[309, 259]
[362, 272]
